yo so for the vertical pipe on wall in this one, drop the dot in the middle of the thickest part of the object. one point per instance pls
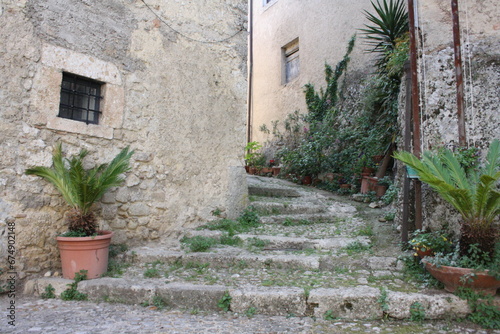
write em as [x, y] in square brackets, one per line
[415, 104]
[462, 140]
[250, 71]
[406, 147]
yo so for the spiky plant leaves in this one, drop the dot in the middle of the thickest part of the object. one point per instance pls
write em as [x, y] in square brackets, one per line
[388, 24]
[80, 187]
[473, 193]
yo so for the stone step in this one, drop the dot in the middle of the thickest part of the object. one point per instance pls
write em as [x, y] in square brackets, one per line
[297, 218]
[259, 186]
[360, 302]
[289, 243]
[275, 208]
[271, 259]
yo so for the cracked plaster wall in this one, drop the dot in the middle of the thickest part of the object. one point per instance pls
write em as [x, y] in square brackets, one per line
[178, 103]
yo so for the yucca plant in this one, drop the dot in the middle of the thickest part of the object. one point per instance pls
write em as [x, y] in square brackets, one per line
[388, 24]
[473, 193]
[81, 187]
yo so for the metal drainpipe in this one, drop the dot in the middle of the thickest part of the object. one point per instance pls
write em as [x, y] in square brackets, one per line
[415, 109]
[406, 146]
[250, 72]
[462, 140]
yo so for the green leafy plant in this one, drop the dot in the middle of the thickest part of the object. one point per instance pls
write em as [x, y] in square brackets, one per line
[436, 241]
[253, 157]
[49, 292]
[484, 311]
[152, 273]
[72, 292]
[329, 315]
[473, 193]
[389, 23]
[81, 188]
[225, 302]
[413, 270]
[199, 243]
[249, 218]
[383, 300]
[250, 312]
[257, 243]
[230, 240]
[390, 195]
[116, 266]
[417, 312]
[475, 258]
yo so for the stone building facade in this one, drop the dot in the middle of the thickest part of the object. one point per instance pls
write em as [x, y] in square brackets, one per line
[173, 83]
[300, 37]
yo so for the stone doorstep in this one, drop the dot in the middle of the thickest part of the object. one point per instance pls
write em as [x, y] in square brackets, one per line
[360, 302]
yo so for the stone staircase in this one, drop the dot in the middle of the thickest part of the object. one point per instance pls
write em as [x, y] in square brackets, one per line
[313, 254]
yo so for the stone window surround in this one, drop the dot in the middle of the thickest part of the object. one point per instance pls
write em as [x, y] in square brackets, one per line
[47, 89]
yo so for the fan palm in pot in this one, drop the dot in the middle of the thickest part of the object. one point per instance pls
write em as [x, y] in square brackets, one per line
[474, 193]
[81, 188]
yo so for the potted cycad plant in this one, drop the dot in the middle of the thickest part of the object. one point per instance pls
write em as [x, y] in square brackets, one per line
[474, 193]
[83, 247]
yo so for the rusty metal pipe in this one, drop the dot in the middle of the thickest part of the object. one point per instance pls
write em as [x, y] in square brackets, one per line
[462, 140]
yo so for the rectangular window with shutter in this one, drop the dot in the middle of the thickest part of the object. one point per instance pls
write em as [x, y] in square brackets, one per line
[291, 60]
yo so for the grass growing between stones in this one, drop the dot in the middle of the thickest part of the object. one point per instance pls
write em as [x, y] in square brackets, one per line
[356, 247]
[248, 219]
[116, 266]
[72, 293]
[414, 272]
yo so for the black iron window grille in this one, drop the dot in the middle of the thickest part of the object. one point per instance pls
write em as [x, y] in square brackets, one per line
[80, 99]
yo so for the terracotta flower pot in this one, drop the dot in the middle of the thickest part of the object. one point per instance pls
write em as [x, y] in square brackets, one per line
[454, 277]
[422, 254]
[85, 253]
[307, 180]
[380, 190]
[368, 171]
[276, 171]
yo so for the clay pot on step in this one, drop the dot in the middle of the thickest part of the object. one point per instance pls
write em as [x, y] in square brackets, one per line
[85, 253]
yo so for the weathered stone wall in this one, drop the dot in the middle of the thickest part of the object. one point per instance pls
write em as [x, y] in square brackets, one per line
[480, 39]
[173, 94]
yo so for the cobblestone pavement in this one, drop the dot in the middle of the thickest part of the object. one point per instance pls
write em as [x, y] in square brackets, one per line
[35, 315]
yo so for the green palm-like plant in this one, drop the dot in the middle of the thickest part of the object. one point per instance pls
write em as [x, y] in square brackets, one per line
[388, 24]
[81, 187]
[474, 193]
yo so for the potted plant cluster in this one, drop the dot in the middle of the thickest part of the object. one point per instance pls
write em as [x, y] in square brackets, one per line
[253, 159]
[430, 243]
[83, 247]
[474, 193]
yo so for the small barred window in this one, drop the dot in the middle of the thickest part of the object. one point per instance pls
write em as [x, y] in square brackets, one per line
[80, 99]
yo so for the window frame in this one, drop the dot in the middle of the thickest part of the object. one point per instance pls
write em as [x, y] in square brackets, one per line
[92, 91]
[290, 54]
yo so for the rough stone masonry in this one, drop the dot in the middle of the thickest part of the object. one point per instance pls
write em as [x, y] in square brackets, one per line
[174, 89]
